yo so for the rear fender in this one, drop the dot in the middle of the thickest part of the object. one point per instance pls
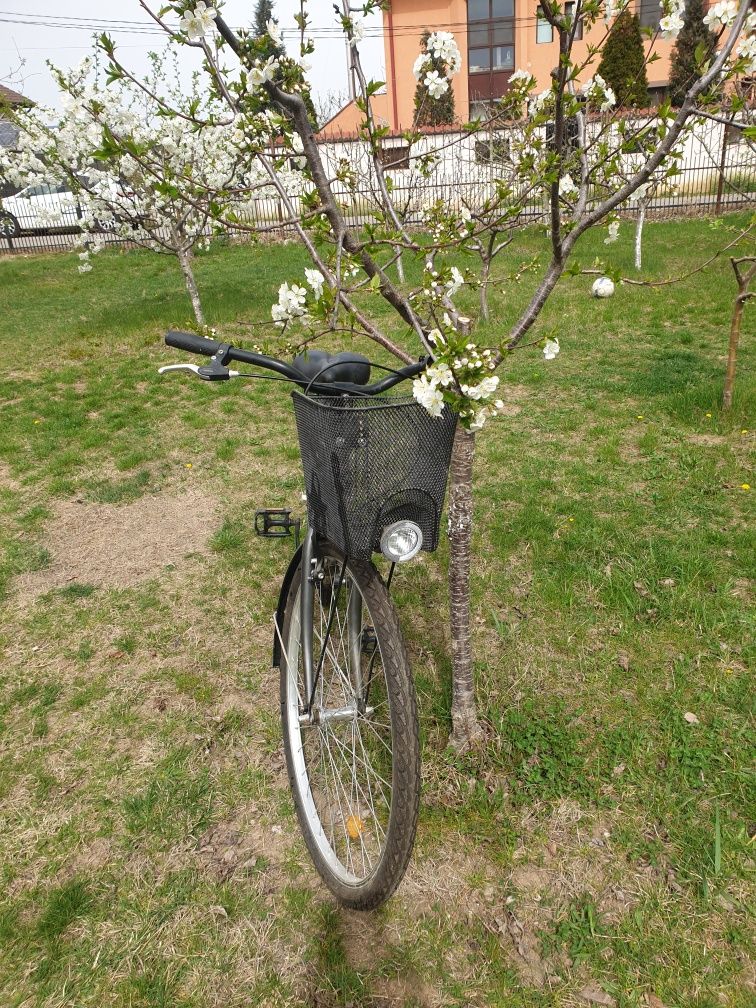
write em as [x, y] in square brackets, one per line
[281, 607]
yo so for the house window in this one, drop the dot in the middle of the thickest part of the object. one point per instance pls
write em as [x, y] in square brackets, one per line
[395, 157]
[544, 31]
[569, 10]
[490, 35]
[650, 14]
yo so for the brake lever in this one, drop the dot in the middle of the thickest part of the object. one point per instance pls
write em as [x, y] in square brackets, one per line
[212, 372]
[178, 367]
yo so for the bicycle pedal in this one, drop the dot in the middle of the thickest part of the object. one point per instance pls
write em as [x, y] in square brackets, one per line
[276, 523]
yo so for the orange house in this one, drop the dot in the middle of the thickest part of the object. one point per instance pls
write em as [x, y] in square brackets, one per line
[495, 38]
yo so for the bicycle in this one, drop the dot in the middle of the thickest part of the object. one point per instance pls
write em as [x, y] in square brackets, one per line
[375, 471]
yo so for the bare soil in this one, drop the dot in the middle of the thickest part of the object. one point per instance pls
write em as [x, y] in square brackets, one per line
[119, 546]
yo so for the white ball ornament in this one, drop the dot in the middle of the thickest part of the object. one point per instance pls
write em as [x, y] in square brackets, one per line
[603, 287]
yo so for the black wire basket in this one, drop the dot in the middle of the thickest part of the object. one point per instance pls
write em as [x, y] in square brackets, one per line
[369, 461]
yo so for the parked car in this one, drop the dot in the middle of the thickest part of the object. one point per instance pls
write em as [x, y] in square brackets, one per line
[44, 206]
[9, 226]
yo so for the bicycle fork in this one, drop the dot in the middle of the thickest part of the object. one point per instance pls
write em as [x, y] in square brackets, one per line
[312, 575]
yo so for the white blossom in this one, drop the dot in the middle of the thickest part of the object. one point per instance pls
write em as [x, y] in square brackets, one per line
[262, 73]
[538, 101]
[456, 281]
[483, 390]
[440, 374]
[443, 46]
[613, 230]
[721, 15]
[597, 88]
[290, 304]
[673, 12]
[436, 84]
[550, 349]
[428, 395]
[274, 31]
[567, 186]
[420, 64]
[296, 142]
[521, 75]
[671, 25]
[316, 280]
[199, 22]
[357, 27]
[747, 51]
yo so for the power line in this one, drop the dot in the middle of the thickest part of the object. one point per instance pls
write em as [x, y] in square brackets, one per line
[145, 27]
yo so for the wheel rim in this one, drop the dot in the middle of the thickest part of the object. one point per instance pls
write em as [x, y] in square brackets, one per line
[8, 226]
[342, 764]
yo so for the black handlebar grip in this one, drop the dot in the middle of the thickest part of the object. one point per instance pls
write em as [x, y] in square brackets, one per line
[191, 343]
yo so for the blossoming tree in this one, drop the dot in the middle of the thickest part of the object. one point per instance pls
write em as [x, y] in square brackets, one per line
[136, 173]
[567, 148]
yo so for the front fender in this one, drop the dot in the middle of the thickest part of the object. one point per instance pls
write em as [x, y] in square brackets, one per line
[281, 607]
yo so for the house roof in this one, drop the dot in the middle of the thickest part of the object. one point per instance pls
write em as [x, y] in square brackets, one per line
[8, 134]
[10, 97]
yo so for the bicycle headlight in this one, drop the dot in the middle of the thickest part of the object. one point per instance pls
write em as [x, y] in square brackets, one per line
[401, 541]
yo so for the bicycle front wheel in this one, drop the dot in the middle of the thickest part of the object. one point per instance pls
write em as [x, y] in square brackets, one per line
[354, 760]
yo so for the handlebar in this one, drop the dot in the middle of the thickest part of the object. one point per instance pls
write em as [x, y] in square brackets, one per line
[224, 352]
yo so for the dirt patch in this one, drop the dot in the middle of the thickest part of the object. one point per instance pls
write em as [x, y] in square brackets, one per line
[7, 480]
[90, 859]
[118, 546]
[243, 844]
[399, 992]
[707, 440]
[510, 409]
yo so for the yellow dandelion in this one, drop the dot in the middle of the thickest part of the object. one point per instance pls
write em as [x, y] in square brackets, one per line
[37, 421]
[639, 417]
[188, 465]
[571, 519]
[744, 431]
[745, 486]
[708, 415]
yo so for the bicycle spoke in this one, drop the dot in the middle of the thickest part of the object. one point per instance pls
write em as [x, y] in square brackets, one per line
[345, 756]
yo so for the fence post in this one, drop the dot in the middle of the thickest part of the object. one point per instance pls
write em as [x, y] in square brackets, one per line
[720, 179]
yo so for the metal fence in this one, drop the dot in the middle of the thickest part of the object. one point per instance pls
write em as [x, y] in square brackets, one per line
[717, 174]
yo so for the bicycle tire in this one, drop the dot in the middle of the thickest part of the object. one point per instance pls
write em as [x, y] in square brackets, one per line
[321, 823]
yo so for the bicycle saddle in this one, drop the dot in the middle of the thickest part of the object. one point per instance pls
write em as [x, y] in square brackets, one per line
[345, 366]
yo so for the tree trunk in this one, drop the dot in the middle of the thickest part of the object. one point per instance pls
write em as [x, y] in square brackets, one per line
[732, 354]
[185, 260]
[744, 278]
[484, 274]
[639, 235]
[466, 729]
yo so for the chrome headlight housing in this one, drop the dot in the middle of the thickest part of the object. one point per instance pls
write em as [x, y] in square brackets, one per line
[401, 541]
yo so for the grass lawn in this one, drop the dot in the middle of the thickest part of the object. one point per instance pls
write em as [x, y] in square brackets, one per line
[596, 852]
